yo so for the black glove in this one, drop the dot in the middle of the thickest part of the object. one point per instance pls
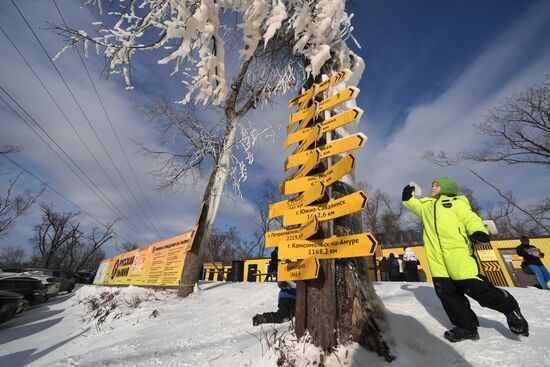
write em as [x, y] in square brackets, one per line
[407, 193]
[480, 237]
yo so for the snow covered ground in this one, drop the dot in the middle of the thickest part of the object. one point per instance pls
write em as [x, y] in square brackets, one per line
[213, 328]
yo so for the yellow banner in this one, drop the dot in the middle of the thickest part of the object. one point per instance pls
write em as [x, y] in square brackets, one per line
[337, 171]
[158, 264]
[333, 209]
[363, 244]
[303, 232]
[298, 270]
[338, 146]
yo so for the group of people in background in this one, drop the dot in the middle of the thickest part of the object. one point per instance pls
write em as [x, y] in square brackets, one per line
[404, 267]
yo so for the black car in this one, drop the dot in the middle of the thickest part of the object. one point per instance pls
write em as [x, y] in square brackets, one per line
[11, 303]
[30, 288]
[67, 280]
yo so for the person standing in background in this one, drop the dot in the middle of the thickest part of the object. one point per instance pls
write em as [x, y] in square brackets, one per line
[531, 258]
[411, 265]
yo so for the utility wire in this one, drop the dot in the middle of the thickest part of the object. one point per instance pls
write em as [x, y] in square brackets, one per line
[119, 212]
[82, 111]
[60, 194]
[56, 153]
[113, 128]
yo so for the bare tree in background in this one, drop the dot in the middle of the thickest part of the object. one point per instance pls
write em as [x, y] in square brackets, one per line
[221, 246]
[13, 205]
[126, 246]
[518, 129]
[469, 193]
[12, 257]
[268, 194]
[381, 216]
[53, 233]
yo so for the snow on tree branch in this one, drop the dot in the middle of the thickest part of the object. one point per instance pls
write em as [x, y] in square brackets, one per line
[189, 30]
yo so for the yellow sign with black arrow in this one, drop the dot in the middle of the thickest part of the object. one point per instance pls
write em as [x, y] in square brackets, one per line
[334, 209]
[330, 176]
[338, 146]
[310, 195]
[303, 232]
[341, 119]
[311, 163]
[356, 245]
[302, 116]
[298, 270]
[318, 88]
[312, 136]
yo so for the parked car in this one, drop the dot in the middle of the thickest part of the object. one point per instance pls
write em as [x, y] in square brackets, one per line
[10, 304]
[85, 277]
[33, 290]
[46, 276]
[10, 272]
[67, 280]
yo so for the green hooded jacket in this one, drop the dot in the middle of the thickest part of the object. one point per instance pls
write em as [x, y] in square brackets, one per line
[448, 222]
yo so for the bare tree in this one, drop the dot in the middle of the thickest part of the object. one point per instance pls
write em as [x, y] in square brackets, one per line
[12, 256]
[381, 216]
[13, 205]
[469, 193]
[127, 246]
[221, 246]
[519, 128]
[268, 194]
[53, 233]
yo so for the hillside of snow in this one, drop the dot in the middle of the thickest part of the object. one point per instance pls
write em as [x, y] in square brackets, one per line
[100, 326]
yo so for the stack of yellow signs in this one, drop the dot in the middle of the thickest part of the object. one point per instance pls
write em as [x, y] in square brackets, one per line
[305, 130]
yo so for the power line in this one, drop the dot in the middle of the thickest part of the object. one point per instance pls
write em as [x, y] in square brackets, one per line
[112, 126]
[83, 113]
[60, 194]
[70, 124]
[58, 156]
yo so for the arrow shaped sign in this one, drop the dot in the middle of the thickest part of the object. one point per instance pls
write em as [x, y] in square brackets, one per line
[341, 119]
[303, 116]
[333, 209]
[338, 146]
[356, 245]
[311, 163]
[313, 133]
[303, 232]
[349, 93]
[312, 194]
[330, 176]
[318, 88]
[298, 270]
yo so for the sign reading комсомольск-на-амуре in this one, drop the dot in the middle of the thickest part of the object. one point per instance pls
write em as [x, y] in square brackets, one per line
[158, 264]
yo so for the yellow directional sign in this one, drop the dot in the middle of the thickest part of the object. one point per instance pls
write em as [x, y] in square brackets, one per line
[311, 162]
[311, 137]
[330, 176]
[313, 193]
[298, 270]
[334, 147]
[363, 244]
[318, 88]
[349, 93]
[334, 209]
[341, 119]
[303, 232]
[302, 115]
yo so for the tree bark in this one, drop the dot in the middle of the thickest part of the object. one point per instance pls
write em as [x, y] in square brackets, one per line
[192, 266]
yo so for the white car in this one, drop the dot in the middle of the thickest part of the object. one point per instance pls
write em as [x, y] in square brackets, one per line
[47, 278]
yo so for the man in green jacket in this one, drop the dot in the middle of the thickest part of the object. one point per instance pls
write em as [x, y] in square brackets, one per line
[450, 227]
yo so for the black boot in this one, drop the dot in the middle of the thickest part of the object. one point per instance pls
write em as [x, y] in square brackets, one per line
[517, 323]
[458, 334]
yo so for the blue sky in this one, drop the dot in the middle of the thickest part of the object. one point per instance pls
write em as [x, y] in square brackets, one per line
[433, 69]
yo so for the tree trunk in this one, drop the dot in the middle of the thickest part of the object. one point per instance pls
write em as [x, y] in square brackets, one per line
[192, 266]
[341, 304]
